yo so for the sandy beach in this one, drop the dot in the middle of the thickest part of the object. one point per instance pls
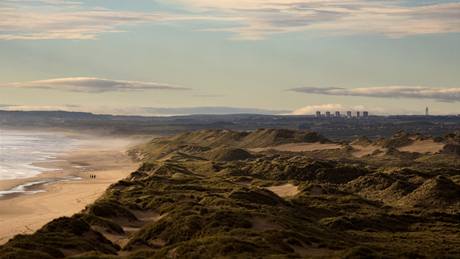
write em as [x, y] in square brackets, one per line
[68, 189]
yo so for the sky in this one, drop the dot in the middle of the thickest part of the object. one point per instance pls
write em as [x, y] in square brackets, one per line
[167, 57]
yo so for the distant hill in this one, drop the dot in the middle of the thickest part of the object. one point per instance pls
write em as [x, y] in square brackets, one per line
[207, 141]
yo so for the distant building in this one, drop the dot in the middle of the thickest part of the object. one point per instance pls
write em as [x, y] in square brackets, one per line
[349, 114]
[365, 114]
[427, 112]
[337, 114]
[358, 114]
[328, 114]
[318, 114]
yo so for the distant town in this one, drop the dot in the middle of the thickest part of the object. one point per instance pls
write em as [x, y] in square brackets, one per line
[338, 114]
[351, 114]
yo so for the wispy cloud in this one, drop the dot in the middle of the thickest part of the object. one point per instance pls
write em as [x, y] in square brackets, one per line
[246, 19]
[54, 19]
[417, 92]
[32, 24]
[6, 107]
[397, 18]
[311, 109]
[92, 85]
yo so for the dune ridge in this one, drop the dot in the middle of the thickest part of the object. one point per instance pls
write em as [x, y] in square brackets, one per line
[198, 195]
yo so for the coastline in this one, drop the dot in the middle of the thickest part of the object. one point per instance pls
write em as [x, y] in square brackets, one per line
[68, 188]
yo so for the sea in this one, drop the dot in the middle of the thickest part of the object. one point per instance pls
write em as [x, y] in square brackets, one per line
[20, 150]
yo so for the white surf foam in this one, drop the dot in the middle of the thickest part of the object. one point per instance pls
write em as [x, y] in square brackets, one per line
[20, 150]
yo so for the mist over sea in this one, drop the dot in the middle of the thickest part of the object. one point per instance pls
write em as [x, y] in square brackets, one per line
[19, 150]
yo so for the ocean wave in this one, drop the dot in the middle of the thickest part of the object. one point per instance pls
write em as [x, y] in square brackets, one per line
[30, 187]
[20, 150]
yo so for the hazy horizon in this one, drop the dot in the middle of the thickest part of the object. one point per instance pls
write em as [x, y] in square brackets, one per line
[189, 111]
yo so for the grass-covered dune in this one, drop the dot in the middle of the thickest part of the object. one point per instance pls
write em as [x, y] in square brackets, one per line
[208, 194]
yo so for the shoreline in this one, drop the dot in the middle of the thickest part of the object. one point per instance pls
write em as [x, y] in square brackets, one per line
[68, 188]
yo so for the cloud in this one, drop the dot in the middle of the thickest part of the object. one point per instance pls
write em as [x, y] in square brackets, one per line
[39, 107]
[92, 85]
[37, 24]
[260, 18]
[54, 19]
[416, 92]
[245, 19]
[311, 109]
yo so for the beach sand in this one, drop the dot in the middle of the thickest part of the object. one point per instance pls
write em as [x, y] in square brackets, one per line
[25, 213]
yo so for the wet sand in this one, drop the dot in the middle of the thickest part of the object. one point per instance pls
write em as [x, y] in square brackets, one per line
[63, 194]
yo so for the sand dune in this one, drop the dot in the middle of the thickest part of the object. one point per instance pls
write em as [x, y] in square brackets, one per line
[417, 146]
[423, 146]
[286, 190]
[365, 150]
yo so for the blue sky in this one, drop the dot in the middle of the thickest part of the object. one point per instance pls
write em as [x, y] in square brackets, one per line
[129, 57]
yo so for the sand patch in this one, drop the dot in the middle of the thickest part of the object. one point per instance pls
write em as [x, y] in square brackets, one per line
[130, 228]
[148, 216]
[299, 147]
[423, 146]
[286, 190]
[366, 150]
